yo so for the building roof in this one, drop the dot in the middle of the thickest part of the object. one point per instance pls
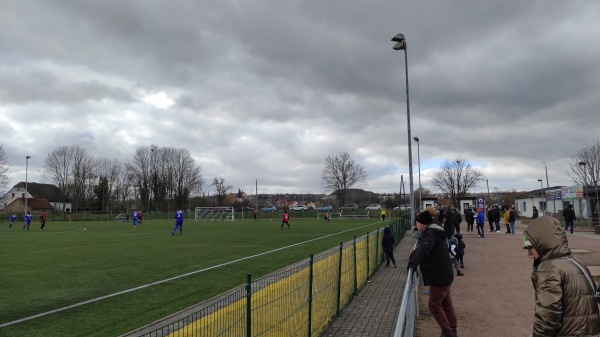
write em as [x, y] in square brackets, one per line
[33, 204]
[47, 191]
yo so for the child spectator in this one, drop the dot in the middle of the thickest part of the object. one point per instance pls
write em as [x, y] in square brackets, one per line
[387, 242]
[454, 252]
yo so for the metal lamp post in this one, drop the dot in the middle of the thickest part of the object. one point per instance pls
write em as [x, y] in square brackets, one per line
[587, 208]
[541, 192]
[401, 45]
[496, 188]
[419, 164]
[487, 184]
[26, 170]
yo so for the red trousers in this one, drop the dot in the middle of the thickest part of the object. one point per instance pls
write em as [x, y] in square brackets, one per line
[441, 308]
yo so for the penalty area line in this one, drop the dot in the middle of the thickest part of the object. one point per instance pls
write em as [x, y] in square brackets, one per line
[170, 279]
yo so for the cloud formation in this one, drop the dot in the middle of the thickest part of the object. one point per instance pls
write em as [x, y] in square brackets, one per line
[267, 90]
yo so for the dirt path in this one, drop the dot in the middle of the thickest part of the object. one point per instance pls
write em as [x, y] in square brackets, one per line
[495, 297]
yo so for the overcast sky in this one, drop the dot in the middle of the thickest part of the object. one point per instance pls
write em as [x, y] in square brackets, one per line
[266, 90]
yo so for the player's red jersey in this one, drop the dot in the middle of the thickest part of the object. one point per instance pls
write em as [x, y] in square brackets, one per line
[286, 217]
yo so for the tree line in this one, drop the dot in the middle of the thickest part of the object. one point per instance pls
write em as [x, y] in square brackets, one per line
[156, 178]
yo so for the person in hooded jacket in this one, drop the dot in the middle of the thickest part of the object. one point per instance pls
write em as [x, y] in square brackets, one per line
[479, 222]
[387, 242]
[470, 219]
[565, 302]
[432, 255]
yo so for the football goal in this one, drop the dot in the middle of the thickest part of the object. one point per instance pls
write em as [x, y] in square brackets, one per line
[214, 214]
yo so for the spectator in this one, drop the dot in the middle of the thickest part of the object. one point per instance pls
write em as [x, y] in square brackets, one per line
[496, 212]
[479, 222]
[535, 213]
[565, 303]
[387, 242]
[470, 218]
[457, 220]
[507, 219]
[432, 255]
[569, 215]
[254, 214]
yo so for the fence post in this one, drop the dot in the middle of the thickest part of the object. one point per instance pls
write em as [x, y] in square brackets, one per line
[248, 305]
[368, 264]
[355, 291]
[339, 287]
[310, 296]
[377, 243]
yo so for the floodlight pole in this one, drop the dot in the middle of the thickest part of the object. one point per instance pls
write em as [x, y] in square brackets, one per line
[26, 170]
[401, 45]
[419, 161]
[587, 209]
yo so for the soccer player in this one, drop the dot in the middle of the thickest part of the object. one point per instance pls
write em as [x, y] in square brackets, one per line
[135, 219]
[286, 220]
[13, 218]
[140, 217]
[178, 222]
[28, 218]
[325, 217]
[43, 219]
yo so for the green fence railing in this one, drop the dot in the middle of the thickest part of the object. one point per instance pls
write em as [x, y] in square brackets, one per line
[299, 300]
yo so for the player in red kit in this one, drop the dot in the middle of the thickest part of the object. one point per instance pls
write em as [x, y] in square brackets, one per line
[286, 219]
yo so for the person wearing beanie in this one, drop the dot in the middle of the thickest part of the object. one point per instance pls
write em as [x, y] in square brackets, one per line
[565, 302]
[432, 256]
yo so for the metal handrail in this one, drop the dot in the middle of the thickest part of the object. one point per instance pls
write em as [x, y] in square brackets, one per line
[409, 305]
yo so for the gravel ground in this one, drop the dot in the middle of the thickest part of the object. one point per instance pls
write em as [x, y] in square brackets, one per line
[495, 297]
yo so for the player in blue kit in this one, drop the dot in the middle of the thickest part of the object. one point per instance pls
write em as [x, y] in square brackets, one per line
[178, 222]
[135, 219]
[28, 218]
[12, 219]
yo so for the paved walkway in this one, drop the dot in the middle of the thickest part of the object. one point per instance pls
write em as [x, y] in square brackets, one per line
[494, 298]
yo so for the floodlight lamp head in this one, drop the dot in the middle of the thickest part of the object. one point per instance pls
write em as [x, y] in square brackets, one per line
[398, 38]
[582, 163]
[416, 139]
[540, 180]
[400, 46]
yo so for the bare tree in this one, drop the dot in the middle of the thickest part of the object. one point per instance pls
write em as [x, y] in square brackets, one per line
[83, 177]
[342, 173]
[3, 169]
[107, 171]
[456, 178]
[588, 172]
[222, 189]
[186, 177]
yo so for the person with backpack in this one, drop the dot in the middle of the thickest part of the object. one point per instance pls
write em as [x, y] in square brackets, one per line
[455, 251]
[566, 302]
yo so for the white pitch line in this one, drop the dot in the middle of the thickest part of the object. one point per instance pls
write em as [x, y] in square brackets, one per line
[167, 280]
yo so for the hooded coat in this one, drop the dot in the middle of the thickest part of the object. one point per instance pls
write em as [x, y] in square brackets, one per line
[387, 241]
[432, 255]
[565, 304]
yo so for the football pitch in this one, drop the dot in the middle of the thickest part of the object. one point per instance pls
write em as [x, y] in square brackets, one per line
[97, 278]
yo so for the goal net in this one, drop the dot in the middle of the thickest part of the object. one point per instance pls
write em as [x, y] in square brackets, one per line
[214, 214]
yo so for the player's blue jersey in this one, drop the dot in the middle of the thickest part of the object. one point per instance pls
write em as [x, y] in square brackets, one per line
[28, 218]
[135, 216]
[13, 218]
[179, 217]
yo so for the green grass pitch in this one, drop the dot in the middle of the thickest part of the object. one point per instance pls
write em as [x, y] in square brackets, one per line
[73, 262]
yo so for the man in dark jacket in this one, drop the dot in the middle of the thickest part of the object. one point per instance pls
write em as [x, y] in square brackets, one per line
[447, 218]
[569, 215]
[470, 219]
[457, 220]
[496, 213]
[535, 213]
[433, 257]
[387, 242]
